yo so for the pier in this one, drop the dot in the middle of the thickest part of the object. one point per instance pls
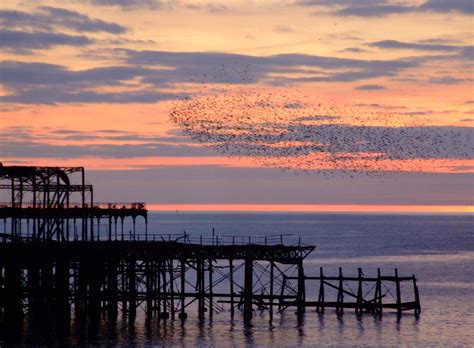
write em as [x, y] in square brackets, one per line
[63, 254]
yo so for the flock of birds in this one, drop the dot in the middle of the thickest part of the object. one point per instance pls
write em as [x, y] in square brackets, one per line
[284, 128]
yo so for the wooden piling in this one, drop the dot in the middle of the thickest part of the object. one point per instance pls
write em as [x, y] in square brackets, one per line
[398, 292]
[231, 280]
[272, 266]
[182, 314]
[359, 307]
[248, 289]
[320, 305]
[210, 291]
[340, 293]
[301, 291]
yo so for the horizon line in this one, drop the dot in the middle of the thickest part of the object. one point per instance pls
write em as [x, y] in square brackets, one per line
[313, 208]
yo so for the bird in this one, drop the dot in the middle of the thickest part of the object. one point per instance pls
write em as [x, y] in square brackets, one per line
[285, 128]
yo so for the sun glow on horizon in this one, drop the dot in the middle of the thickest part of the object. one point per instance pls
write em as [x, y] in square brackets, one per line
[315, 208]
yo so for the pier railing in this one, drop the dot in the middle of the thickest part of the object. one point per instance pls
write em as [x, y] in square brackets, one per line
[77, 205]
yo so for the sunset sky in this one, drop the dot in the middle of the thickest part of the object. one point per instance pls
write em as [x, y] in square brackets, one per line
[91, 83]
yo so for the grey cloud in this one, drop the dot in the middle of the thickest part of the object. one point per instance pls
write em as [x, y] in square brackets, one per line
[23, 42]
[442, 6]
[369, 88]
[449, 80]
[35, 149]
[49, 18]
[209, 7]
[373, 11]
[354, 50]
[47, 96]
[374, 8]
[393, 44]
[31, 83]
[129, 4]
[235, 68]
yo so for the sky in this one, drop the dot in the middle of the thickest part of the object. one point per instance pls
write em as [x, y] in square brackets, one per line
[93, 83]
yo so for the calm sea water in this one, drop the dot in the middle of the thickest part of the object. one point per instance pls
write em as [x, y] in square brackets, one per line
[439, 250]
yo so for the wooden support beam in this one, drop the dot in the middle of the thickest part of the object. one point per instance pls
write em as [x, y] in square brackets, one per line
[320, 308]
[301, 291]
[210, 291]
[272, 266]
[359, 292]
[397, 288]
[248, 289]
[340, 293]
[182, 314]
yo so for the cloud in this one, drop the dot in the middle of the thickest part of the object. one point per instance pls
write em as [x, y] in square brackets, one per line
[449, 80]
[238, 68]
[40, 83]
[281, 28]
[34, 149]
[209, 7]
[393, 44]
[443, 6]
[129, 4]
[32, 83]
[377, 8]
[50, 18]
[354, 50]
[24, 42]
[369, 88]
[23, 142]
[372, 11]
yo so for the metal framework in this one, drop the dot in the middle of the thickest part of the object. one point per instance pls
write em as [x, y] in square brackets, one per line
[52, 203]
[54, 259]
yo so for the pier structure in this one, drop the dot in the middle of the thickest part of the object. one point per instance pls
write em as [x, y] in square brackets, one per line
[55, 260]
[55, 203]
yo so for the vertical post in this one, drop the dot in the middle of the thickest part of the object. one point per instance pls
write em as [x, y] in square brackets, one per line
[272, 266]
[149, 289]
[320, 306]
[164, 294]
[210, 288]
[132, 276]
[283, 285]
[112, 285]
[200, 286]
[13, 310]
[92, 219]
[134, 227]
[231, 274]
[378, 292]
[397, 288]
[183, 315]
[171, 287]
[340, 294]
[110, 228]
[300, 300]
[98, 228]
[359, 292]
[417, 297]
[248, 289]
[158, 286]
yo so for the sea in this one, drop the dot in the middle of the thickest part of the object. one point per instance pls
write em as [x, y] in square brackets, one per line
[437, 249]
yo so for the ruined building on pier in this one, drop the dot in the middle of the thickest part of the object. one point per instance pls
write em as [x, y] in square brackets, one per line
[63, 254]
